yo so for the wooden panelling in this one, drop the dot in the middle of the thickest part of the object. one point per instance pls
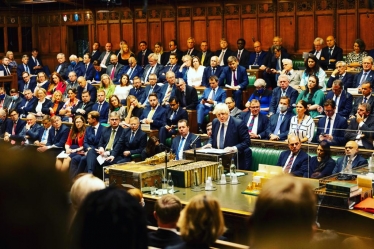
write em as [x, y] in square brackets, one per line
[115, 35]
[305, 26]
[102, 37]
[286, 29]
[44, 38]
[347, 33]
[267, 31]
[128, 33]
[249, 27]
[232, 32]
[366, 29]
[325, 26]
[168, 33]
[156, 33]
[199, 32]
[140, 33]
[54, 44]
[214, 34]
[184, 31]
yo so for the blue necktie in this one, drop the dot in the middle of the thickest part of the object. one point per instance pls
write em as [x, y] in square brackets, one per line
[222, 136]
[277, 128]
[180, 147]
[132, 137]
[328, 126]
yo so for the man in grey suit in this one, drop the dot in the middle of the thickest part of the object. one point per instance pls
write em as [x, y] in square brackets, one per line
[234, 111]
[152, 68]
[114, 69]
[104, 58]
[293, 75]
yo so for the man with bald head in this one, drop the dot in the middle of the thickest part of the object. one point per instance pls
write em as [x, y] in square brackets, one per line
[132, 70]
[330, 54]
[104, 58]
[351, 159]
[213, 69]
[114, 69]
[257, 57]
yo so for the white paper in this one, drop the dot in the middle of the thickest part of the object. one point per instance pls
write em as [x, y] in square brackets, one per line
[62, 155]
[213, 151]
[100, 159]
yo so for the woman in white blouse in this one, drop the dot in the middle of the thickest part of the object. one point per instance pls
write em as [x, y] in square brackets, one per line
[122, 90]
[195, 74]
[302, 125]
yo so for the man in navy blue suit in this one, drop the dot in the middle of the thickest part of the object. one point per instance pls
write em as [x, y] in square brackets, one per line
[142, 56]
[95, 54]
[351, 159]
[154, 114]
[14, 127]
[340, 73]
[27, 82]
[191, 51]
[342, 98]
[294, 161]
[35, 64]
[173, 115]
[29, 133]
[284, 89]
[171, 66]
[186, 95]
[173, 46]
[211, 97]
[137, 90]
[152, 68]
[23, 67]
[231, 134]
[255, 121]
[366, 97]
[330, 54]
[84, 86]
[168, 89]
[366, 74]
[76, 66]
[101, 106]
[5, 68]
[88, 68]
[44, 132]
[185, 140]
[279, 123]
[108, 140]
[62, 67]
[236, 77]
[132, 141]
[274, 66]
[331, 127]
[257, 57]
[214, 69]
[114, 69]
[27, 103]
[83, 107]
[224, 53]
[152, 87]
[242, 54]
[132, 70]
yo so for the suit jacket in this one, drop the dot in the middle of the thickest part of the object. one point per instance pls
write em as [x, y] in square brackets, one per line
[227, 54]
[137, 71]
[181, 114]
[117, 73]
[342, 162]
[104, 112]
[345, 102]
[261, 125]
[270, 55]
[236, 112]
[156, 89]
[300, 164]
[208, 55]
[359, 100]
[4, 126]
[157, 71]
[162, 73]
[272, 62]
[90, 139]
[194, 52]
[2, 68]
[26, 106]
[295, 78]
[88, 107]
[340, 124]
[347, 80]
[140, 56]
[220, 95]
[135, 147]
[187, 145]
[89, 72]
[284, 127]
[164, 88]
[19, 127]
[31, 85]
[165, 57]
[260, 59]
[367, 130]
[159, 117]
[20, 70]
[190, 97]
[106, 63]
[369, 77]
[138, 93]
[241, 76]
[337, 54]
[163, 238]
[60, 138]
[8, 100]
[32, 64]
[33, 134]
[91, 89]
[208, 71]
[95, 56]
[45, 106]
[290, 92]
[105, 136]
[326, 171]
[244, 58]
[79, 69]
[63, 70]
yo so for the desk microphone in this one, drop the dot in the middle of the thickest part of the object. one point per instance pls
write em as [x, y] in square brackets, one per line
[194, 141]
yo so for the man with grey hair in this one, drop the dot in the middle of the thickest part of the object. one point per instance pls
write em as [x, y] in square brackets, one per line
[282, 90]
[231, 134]
[76, 66]
[30, 132]
[151, 68]
[366, 74]
[340, 73]
[3, 122]
[214, 69]
[62, 67]
[293, 75]
[318, 42]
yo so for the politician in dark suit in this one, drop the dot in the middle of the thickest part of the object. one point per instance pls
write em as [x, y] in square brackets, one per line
[95, 54]
[185, 140]
[233, 138]
[62, 67]
[340, 74]
[255, 121]
[12, 101]
[88, 67]
[351, 152]
[224, 53]
[280, 134]
[152, 67]
[171, 66]
[102, 107]
[29, 133]
[274, 66]
[242, 54]
[14, 127]
[132, 69]
[27, 103]
[342, 98]
[297, 166]
[84, 86]
[186, 95]
[152, 87]
[154, 114]
[104, 148]
[331, 127]
[257, 57]
[330, 54]
[142, 57]
[23, 67]
[284, 89]
[366, 74]
[366, 97]
[75, 66]
[83, 107]
[104, 58]
[27, 82]
[213, 69]
[173, 46]
[235, 76]
[361, 128]
[132, 141]
[173, 115]
[114, 69]
[138, 90]
[205, 53]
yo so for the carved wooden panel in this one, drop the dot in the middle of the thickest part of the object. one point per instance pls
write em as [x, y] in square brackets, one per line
[55, 19]
[266, 25]
[232, 32]
[231, 10]
[214, 11]
[346, 31]
[286, 7]
[55, 38]
[141, 33]
[44, 39]
[168, 13]
[214, 34]
[305, 26]
[249, 9]
[126, 15]
[115, 35]
[184, 31]
[102, 16]
[366, 29]
[169, 33]
[286, 31]
[325, 26]
[266, 8]
[324, 4]
[128, 33]
[304, 6]
[154, 14]
[102, 37]
[113, 16]
[155, 36]
[184, 12]
[249, 27]
[139, 14]
[198, 12]
[346, 4]
[199, 32]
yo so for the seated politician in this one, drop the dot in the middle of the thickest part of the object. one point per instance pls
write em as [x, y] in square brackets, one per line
[279, 123]
[351, 159]
[284, 89]
[321, 165]
[231, 134]
[155, 115]
[340, 73]
[262, 94]
[255, 120]
[342, 98]
[185, 140]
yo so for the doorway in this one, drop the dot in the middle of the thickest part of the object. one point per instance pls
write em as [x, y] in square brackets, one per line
[78, 40]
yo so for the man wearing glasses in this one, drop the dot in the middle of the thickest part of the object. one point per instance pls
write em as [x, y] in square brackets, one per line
[173, 46]
[254, 120]
[14, 127]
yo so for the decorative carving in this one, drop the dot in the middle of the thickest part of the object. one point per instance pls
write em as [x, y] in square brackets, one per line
[214, 11]
[113, 15]
[232, 10]
[88, 17]
[168, 13]
[199, 12]
[55, 19]
[286, 7]
[127, 14]
[362, 4]
[139, 14]
[266, 8]
[346, 4]
[12, 19]
[101, 16]
[154, 13]
[24, 19]
[43, 19]
[249, 9]
[324, 5]
[184, 12]
[305, 6]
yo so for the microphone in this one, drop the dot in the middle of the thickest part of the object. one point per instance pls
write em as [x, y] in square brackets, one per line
[163, 146]
[194, 141]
